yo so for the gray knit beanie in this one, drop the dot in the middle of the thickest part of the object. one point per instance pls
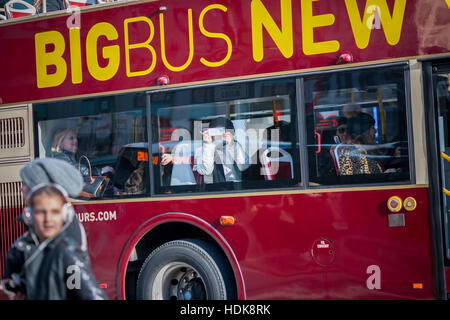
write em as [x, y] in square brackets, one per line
[49, 170]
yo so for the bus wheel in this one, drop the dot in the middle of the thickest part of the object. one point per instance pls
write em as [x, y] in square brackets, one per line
[186, 269]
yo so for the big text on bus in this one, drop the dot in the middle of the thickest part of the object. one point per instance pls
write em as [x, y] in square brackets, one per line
[52, 67]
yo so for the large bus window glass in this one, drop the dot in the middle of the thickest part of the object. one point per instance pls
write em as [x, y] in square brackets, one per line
[357, 127]
[230, 137]
[104, 138]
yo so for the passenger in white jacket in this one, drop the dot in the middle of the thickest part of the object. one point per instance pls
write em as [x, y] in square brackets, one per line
[221, 158]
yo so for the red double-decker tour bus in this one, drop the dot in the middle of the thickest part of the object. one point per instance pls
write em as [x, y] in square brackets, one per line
[253, 149]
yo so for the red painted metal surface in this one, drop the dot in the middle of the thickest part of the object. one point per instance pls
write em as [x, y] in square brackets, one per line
[11, 205]
[211, 229]
[272, 239]
[217, 31]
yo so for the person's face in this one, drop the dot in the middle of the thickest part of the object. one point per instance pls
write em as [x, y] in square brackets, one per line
[70, 142]
[341, 132]
[47, 216]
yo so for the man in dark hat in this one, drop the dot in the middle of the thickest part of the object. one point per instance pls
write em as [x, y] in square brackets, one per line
[221, 158]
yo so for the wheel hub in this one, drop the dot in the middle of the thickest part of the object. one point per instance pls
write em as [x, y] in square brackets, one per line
[179, 281]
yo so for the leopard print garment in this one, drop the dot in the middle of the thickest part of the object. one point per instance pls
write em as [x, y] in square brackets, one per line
[353, 160]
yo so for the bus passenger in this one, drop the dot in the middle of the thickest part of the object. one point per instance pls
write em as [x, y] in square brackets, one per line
[398, 158]
[352, 155]
[65, 147]
[221, 158]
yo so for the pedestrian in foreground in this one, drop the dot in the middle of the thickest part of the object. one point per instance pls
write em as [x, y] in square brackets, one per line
[25, 268]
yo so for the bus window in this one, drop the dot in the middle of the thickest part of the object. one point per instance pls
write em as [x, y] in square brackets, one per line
[357, 127]
[229, 137]
[104, 137]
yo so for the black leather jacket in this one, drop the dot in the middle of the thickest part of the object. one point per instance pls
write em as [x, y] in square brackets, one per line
[57, 269]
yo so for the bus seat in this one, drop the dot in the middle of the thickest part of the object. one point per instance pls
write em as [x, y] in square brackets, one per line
[78, 3]
[335, 157]
[284, 161]
[13, 12]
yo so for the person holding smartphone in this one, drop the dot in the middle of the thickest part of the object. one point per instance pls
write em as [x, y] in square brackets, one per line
[221, 157]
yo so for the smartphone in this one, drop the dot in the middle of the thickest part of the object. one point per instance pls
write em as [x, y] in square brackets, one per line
[216, 131]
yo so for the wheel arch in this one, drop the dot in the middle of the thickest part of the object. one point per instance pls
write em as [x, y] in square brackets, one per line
[171, 226]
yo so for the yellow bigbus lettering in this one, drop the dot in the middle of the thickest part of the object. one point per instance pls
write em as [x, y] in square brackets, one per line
[53, 58]
[75, 55]
[392, 25]
[309, 22]
[215, 35]
[145, 44]
[112, 53]
[283, 38]
[163, 44]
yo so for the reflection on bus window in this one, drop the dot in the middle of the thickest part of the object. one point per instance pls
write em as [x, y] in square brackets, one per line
[357, 127]
[101, 137]
[227, 138]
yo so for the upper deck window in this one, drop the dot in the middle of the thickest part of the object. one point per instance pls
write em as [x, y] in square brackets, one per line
[110, 132]
[231, 137]
[241, 136]
[357, 127]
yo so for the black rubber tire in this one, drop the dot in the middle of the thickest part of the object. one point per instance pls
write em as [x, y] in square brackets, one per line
[204, 258]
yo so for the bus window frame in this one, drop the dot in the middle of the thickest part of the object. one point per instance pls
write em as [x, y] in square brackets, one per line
[35, 129]
[302, 132]
[148, 109]
[220, 192]
[304, 183]
[408, 112]
[409, 125]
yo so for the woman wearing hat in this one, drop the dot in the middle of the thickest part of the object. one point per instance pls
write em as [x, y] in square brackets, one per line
[38, 172]
[353, 158]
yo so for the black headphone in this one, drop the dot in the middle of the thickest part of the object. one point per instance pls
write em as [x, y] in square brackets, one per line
[67, 210]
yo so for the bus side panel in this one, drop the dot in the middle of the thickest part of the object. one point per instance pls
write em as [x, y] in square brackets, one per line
[275, 237]
[187, 219]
